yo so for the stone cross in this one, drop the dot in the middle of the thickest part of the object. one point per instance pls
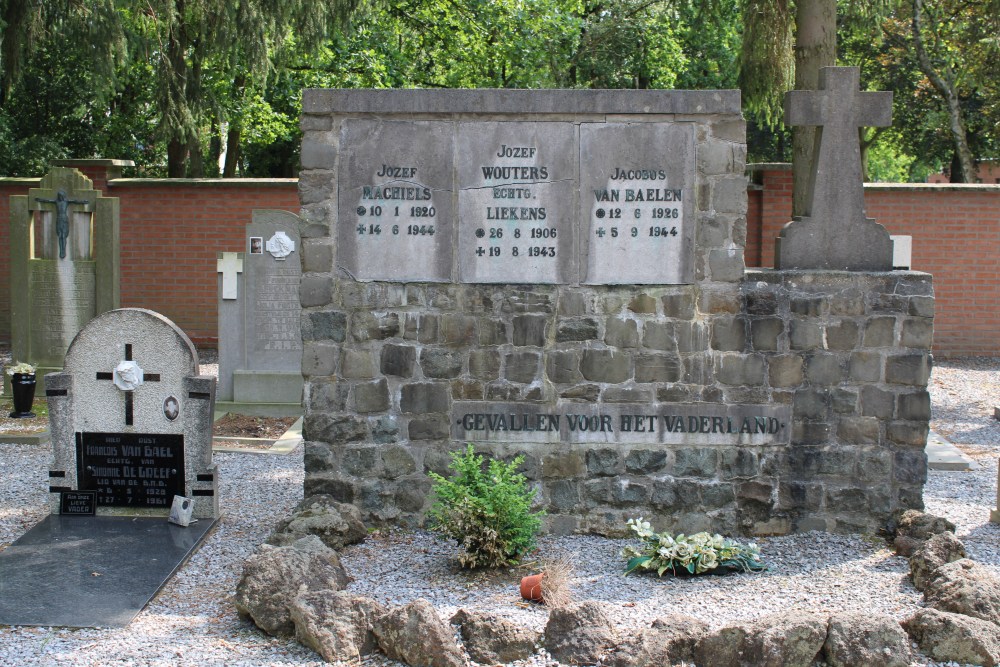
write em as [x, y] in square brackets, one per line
[229, 265]
[127, 376]
[835, 233]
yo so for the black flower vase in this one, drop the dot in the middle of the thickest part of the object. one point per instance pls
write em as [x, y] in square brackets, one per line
[22, 386]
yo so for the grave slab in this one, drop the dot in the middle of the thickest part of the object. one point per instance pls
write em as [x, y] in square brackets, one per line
[91, 572]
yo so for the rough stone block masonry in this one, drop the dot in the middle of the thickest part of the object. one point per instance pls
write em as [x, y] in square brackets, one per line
[560, 274]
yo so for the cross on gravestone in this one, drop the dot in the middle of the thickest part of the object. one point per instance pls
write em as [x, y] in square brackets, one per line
[62, 204]
[230, 264]
[127, 376]
[835, 233]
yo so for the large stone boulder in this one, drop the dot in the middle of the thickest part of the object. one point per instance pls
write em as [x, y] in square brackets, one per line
[336, 524]
[579, 633]
[670, 640]
[782, 640]
[872, 640]
[955, 638]
[490, 639]
[913, 527]
[416, 635]
[939, 550]
[965, 587]
[274, 576]
[336, 624]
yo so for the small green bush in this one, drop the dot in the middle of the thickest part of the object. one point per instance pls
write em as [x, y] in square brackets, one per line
[486, 509]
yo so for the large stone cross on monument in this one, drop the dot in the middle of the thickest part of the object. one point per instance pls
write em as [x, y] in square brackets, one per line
[835, 233]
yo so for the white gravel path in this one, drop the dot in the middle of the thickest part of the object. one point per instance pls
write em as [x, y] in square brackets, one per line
[193, 622]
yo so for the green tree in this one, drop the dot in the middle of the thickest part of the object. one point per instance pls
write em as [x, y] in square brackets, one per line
[190, 42]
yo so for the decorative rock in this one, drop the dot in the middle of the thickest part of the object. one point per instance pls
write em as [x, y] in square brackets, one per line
[671, 640]
[490, 639]
[336, 524]
[275, 575]
[579, 633]
[793, 638]
[872, 640]
[965, 587]
[941, 549]
[336, 624]
[947, 637]
[416, 635]
[921, 526]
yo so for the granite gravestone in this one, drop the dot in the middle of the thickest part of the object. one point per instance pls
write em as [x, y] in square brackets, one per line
[65, 268]
[835, 233]
[260, 342]
[131, 418]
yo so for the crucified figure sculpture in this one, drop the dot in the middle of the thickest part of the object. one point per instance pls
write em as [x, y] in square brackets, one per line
[62, 203]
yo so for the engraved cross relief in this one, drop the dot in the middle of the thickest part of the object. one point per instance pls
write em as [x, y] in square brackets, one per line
[834, 233]
[229, 264]
[127, 376]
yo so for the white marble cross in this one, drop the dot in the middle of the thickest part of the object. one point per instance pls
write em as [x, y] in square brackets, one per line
[229, 265]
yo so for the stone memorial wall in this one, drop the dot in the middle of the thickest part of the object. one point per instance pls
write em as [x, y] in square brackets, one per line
[560, 274]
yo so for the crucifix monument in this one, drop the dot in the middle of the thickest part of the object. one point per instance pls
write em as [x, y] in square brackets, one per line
[65, 267]
[835, 233]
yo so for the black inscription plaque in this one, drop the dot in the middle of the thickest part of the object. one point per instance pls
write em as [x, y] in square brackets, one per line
[78, 503]
[131, 469]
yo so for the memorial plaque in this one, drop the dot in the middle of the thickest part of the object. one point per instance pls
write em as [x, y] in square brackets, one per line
[395, 203]
[622, 423]
[131, 469]
[517, 202]
[637, 202]
[276, 310]
[78, 503]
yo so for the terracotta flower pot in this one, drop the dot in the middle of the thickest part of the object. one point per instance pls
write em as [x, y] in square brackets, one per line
[531, 587]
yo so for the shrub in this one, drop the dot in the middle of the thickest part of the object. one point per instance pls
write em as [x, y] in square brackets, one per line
[486, 509]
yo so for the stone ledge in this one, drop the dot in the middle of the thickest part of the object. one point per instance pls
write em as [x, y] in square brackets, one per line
[520, 102]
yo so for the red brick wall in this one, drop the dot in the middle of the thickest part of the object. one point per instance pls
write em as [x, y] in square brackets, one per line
[171, 231]
[956, 238]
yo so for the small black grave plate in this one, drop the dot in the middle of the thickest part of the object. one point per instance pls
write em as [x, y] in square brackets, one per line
[131, 469]
[78, 503]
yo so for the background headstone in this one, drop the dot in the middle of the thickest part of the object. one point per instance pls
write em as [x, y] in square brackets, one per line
[58, 285]
[260, 340]
[131, 418]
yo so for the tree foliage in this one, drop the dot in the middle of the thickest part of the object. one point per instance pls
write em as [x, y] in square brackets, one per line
[212, 87]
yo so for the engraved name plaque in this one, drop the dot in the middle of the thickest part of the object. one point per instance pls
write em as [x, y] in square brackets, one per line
[131, 469]
[637, 197]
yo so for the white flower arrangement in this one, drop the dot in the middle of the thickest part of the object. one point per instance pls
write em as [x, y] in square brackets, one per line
[21, 368]
[694, 554]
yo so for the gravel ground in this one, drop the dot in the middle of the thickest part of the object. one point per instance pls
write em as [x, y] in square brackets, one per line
[193, 622]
